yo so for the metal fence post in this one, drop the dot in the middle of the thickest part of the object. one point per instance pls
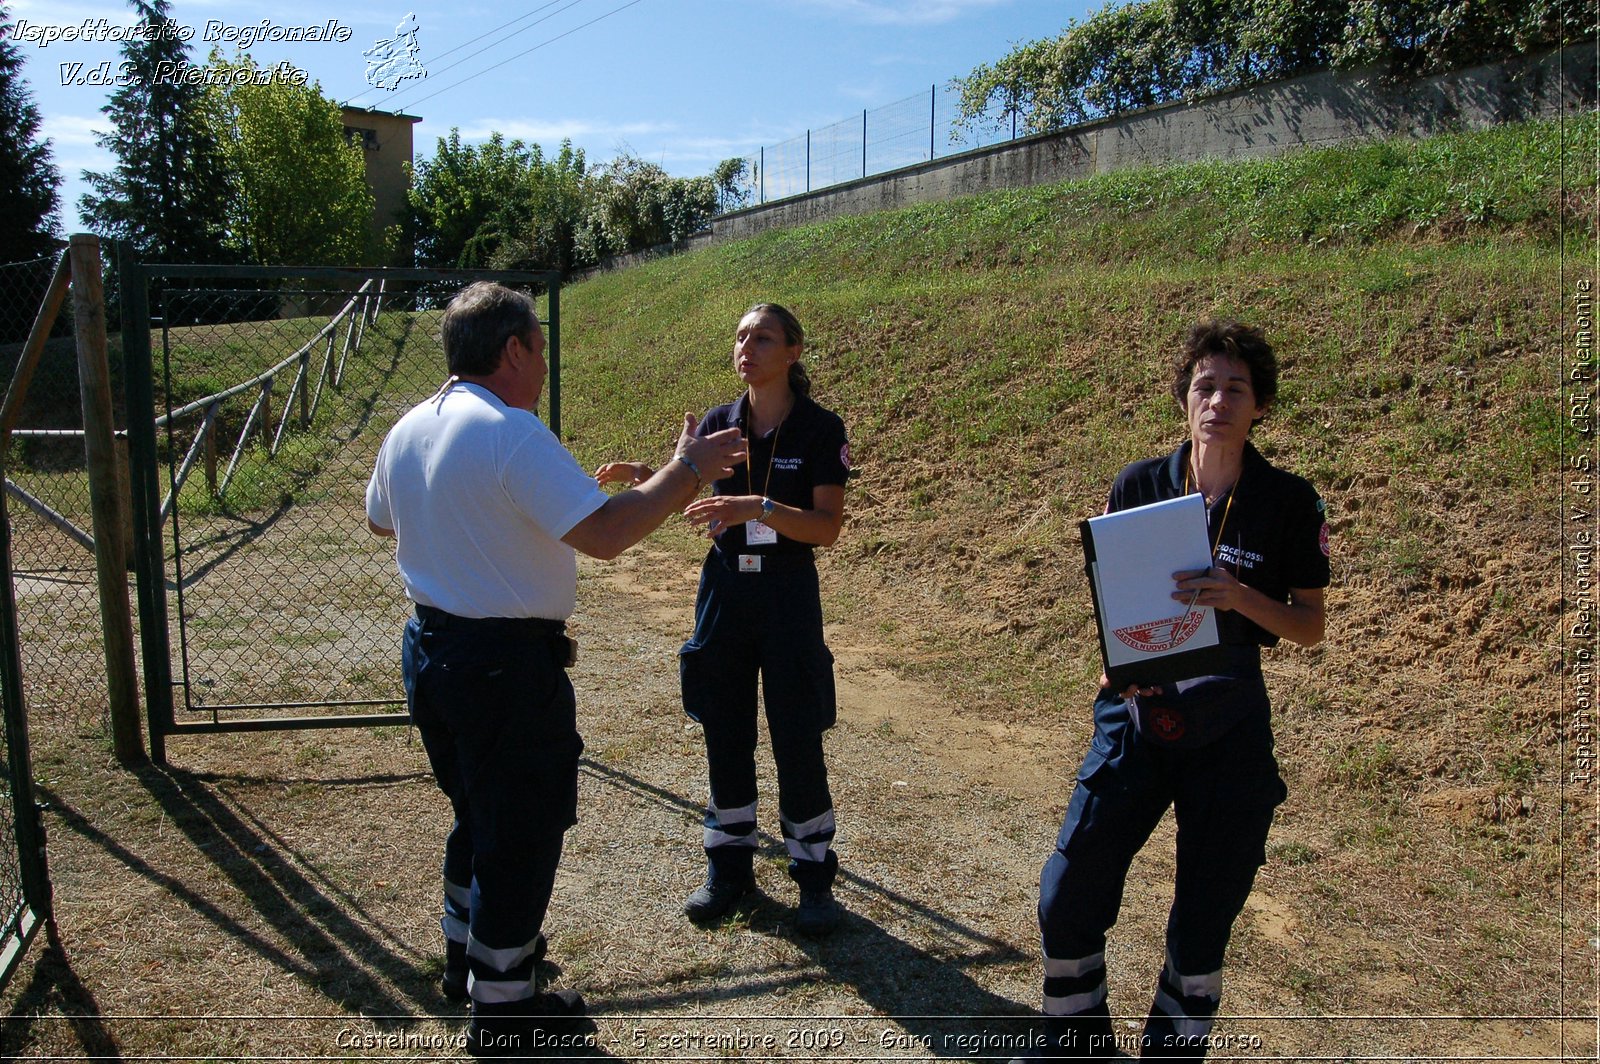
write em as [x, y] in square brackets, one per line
[148, 568]
[111, 564]
[863, 142]
[28, 827]
[305, 387]
[933, 115]
[808, 160]
[555, 358]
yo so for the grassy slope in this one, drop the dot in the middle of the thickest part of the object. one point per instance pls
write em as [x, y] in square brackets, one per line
[999, 358]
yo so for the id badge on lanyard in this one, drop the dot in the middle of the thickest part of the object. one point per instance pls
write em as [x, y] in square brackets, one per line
[757, 534]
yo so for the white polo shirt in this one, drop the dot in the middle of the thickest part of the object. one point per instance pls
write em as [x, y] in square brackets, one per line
[479, 495]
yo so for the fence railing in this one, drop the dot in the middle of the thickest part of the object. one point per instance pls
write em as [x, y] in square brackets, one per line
[355, 316]
[895, 135]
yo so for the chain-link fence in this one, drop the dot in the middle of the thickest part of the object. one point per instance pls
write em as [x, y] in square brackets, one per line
[270, 396]
[914, 130]
[47, 597]
[47, 489]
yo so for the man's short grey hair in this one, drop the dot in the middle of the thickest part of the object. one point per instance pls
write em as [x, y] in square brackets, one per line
[477, 324]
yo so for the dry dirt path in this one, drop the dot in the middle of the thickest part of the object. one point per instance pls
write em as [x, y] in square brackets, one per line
[274, 895]
[945, 818]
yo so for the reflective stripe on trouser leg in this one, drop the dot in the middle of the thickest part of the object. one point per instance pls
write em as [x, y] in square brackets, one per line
[1077, 1021]
[504, 934]
[811, 840]
[1181, 1015]
[730, 827]
[1075, 985]
[457, 911]
[500, 975]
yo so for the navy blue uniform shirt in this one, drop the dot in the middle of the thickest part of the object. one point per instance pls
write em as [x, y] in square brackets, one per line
[812, 450]
[1274, 538]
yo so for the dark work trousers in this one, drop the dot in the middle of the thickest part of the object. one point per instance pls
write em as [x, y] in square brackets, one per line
[765, 624]
[1223, 795]
[499, 723]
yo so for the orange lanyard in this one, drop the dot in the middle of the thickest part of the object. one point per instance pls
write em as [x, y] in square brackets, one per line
[750, 488]
[1226, 510]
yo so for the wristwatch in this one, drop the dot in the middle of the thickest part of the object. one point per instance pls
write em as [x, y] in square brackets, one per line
[767, 506]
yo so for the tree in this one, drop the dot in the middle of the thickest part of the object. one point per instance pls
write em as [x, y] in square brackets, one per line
[169, 191]
[635, 205]
[506, 205]
[462, 198]
[28, 181]
[1134, 55]
[554, 199]
[733, 181]
[499, 203]
[299, 193]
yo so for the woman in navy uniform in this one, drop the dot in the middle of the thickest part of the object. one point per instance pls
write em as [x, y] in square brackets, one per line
[1202, 746]
[759, 614]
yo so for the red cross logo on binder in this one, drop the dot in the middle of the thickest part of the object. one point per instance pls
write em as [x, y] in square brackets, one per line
[1156, 636]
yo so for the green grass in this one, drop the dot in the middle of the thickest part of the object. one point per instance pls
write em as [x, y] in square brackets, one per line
[998, 359]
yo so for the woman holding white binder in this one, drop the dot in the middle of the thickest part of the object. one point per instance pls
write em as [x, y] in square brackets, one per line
[1202, 745]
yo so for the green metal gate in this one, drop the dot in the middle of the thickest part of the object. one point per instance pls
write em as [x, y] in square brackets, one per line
[264, 603]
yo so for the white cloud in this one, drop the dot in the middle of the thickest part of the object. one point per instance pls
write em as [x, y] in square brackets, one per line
[70, 13]
[546, 133]
[49, 13]
[67, 132]
[904, 12]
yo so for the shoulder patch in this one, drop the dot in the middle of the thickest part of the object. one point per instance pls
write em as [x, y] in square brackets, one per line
[1322, 541]
[844, 454]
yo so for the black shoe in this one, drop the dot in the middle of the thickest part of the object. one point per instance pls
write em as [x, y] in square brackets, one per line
[716, 898]
[453, 983]
[818, 914]
[1083, 1037]
[539, 1026]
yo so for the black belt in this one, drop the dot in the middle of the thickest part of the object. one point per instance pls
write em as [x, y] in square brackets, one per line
[566, 647]
[769, 562]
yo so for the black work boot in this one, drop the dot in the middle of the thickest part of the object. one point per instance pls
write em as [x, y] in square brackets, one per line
[548, 1024]
[1083, 1036]
[818, 914]
[717, 897]
[730, 878]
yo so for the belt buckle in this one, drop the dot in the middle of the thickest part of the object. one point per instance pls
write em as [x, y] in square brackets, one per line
[749, 563]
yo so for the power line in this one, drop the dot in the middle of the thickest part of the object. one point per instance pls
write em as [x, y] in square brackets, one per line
[529, 51]
[480, 51]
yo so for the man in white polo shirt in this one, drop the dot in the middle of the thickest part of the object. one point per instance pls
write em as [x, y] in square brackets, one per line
[487, 508]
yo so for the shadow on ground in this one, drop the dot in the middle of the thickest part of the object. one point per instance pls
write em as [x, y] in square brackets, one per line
[55, 989]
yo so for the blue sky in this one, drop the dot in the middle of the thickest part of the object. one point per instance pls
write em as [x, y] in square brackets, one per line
[681, 83]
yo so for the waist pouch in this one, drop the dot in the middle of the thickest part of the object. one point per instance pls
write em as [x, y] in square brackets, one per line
[1202, 714]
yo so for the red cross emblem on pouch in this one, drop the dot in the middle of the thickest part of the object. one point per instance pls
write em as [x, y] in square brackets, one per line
[1166, 725]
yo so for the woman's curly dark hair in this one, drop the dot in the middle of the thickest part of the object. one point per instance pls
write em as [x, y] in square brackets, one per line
[1233, 339]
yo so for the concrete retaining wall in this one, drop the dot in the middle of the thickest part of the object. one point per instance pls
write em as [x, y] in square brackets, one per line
[1313, 111]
